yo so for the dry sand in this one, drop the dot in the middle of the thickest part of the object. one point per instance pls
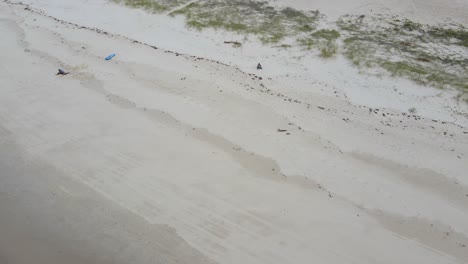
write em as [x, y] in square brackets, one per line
[166, 156]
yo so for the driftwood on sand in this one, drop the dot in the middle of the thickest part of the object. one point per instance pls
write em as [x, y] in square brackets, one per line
[232, 42]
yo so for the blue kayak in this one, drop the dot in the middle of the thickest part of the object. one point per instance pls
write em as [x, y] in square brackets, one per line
[110, 56]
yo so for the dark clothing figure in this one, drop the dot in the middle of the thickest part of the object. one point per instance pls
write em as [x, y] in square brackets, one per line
[259, 66]
[61, 72]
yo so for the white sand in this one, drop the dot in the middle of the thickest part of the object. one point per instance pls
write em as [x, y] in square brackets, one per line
[160, 157]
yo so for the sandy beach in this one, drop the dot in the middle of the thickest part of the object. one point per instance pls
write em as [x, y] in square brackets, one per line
[179, 151]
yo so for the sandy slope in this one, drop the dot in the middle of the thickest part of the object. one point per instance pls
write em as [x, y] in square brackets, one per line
[160, 157]
[293, 69]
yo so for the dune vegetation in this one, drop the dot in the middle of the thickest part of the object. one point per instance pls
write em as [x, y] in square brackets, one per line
[428, 55]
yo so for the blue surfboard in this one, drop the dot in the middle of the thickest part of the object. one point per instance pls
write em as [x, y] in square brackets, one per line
[110, 56]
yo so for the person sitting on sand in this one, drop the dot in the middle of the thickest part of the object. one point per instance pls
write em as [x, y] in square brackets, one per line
[62, 72]
[259, 66]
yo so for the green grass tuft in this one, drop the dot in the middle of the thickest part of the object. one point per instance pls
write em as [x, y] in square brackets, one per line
[328, 50]
[324, 40]
[326, 34]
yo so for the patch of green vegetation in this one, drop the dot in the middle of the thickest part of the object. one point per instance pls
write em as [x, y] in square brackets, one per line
[357, 52]
[402, 68]
[326, 34]
[409, 25]
[155, 6]
[460, 34]
[306, 42]
[324, 40]
[305, 28]
[328, 50]
[422, 53]
[269, 24]
[343, 24]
